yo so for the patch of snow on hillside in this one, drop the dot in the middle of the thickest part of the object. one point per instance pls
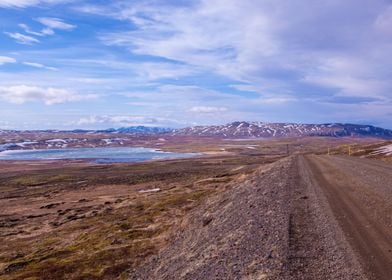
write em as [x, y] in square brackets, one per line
[387, 150]
[26, 143]
[150, 190]
[56, 141]
[108, 141]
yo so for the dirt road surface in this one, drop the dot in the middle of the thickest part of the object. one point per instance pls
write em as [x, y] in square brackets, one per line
[304, 217]
[359, 192]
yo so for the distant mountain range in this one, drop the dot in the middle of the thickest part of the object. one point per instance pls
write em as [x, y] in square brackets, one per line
[130, 129]
[262, 129]
[249, 130]
[138, 129]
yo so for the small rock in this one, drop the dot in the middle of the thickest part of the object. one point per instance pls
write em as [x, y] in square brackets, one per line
[49, 206]
[72, 217]
[116, 241]
[15, 266]
[206, 220]
[270, 255]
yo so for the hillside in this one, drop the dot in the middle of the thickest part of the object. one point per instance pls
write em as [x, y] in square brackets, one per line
[262, 129]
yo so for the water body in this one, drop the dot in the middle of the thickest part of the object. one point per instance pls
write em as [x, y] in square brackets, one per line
[100, 155]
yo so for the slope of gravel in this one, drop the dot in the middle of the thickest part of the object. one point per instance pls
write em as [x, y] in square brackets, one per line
[270, 225]
[239, 235]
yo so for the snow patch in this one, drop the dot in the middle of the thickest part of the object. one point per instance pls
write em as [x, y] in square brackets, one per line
[150, 190]
[387, 150]
[56, 141]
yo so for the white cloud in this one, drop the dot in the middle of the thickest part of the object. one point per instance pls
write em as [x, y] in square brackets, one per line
[204, 35]
[6, 59]
[20, 94]
[92, 81]
[22, 39]
[28, 30]
[144, 71]
[383, 22]
[201, 100]
[348, 85]
[207, 109]
[43, 32]
[274, 47]
[50, 24]
[27, 3]
[39, 65]
[288, 52]
[150, 71]
[47, 31]
[123, 121]
[178, 97]
[55, 23]
[92, 9]
[277, 100]
[17, 3]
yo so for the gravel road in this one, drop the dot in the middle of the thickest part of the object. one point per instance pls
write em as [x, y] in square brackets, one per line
[303, 217]
[359, 192]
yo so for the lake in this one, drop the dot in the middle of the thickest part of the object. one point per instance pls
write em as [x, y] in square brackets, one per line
[100, 155]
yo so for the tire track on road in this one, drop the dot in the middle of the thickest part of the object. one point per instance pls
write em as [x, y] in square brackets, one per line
[369, 237]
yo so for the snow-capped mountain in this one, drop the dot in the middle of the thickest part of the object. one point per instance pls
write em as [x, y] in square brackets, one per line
[138, 129]
[262, 129]
[231, 130]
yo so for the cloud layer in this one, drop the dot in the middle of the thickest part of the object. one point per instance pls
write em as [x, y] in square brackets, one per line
[55, 23]
[202, 61]
[6, 59]
[49, 96]
[123, 121]
[27, 3]
[22, 39]
[207, 109]
[50, 25]
[276, 47]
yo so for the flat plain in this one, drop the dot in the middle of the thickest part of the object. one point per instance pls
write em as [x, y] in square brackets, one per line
[249, 209]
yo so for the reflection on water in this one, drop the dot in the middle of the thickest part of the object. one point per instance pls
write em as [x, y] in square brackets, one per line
[100, 155]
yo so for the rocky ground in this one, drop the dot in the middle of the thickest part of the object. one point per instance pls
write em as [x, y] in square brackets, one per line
[313, 217]
[245, 211]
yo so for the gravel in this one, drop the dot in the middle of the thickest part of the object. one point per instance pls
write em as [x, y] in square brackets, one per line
[273, 224]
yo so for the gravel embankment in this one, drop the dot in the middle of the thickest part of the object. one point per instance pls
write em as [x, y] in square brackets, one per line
[274, 224]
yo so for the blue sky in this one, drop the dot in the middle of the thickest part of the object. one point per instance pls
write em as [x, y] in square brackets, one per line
[97, 64]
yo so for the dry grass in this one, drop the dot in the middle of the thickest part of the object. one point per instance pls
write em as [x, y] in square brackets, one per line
[93, 223]
[67, 220]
